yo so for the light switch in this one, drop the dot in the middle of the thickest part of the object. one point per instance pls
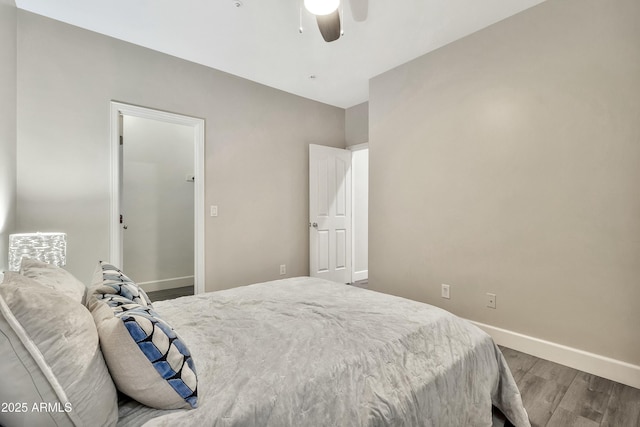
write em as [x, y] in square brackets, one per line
[214, 210]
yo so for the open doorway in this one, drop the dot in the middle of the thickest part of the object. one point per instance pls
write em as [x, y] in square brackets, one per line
[157, 205]
[360, 213]
[158, 199]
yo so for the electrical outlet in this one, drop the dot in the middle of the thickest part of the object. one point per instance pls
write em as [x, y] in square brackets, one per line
[491, 300]
[283, 269]
[445, 291]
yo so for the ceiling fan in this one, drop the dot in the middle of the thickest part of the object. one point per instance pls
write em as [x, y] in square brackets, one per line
[328, 15]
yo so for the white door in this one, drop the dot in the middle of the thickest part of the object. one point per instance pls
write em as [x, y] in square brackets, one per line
[330, 213]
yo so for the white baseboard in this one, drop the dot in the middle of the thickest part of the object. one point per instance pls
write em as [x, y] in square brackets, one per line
[602, 366]
[360, 275]
[163, 284]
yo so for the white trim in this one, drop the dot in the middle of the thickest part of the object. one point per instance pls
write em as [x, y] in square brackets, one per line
[364, 274]
[360, 275]
[164, 284]
[115, 251]
[358, 147]
[602, 366]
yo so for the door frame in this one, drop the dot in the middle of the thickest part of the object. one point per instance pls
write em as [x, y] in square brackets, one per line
[115, 242]
[354, 273]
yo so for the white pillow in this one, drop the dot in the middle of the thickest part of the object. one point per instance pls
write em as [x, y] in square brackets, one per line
[50, 356]
[54, 277]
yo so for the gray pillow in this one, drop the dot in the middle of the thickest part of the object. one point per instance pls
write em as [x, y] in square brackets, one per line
[53, 277]
[51, 358]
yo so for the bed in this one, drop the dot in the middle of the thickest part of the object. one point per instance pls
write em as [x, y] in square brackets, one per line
[308, 352]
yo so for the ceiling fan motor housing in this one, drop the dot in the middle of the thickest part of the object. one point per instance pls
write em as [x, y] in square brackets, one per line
[321, 7]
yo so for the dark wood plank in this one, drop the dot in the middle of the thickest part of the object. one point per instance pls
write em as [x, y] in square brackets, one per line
[560, 374]
[170, 293]
[564, 418]
[540, 397]
[623, 409]
[519, 363]
[588, 396]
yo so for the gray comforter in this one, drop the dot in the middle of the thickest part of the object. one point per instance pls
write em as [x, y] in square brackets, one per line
[307, 352]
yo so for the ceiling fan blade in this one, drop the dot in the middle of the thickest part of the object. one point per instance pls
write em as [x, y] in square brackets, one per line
[329, 26]
[359, 9]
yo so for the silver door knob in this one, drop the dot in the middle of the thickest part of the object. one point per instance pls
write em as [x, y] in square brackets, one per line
[125, 227]
[314, 225]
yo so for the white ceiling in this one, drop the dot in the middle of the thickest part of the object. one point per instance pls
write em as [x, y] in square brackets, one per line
[260, 40]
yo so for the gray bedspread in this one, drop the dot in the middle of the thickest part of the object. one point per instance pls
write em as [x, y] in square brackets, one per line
[307, 352]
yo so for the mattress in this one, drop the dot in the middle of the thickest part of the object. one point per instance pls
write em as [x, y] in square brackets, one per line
[308, 352]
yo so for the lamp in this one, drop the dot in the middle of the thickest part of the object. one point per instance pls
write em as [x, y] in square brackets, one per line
[321, 7]
[47, 247]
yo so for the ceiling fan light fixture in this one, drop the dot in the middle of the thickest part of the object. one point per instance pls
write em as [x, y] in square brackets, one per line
[321, 7]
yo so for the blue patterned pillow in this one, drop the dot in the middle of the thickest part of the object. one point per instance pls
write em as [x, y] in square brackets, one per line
[112, 277]
[165, 350]
[147, 359]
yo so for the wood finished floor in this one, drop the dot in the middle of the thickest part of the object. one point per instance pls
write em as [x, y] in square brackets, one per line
[554, 395]
[557, 396]
[170, 293]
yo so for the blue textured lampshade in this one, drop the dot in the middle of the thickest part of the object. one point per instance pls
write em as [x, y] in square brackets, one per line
[47, 247]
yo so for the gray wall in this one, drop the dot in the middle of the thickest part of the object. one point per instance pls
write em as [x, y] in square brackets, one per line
[509, 162]
[256, 149]
[357, 124]
[8, 19]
